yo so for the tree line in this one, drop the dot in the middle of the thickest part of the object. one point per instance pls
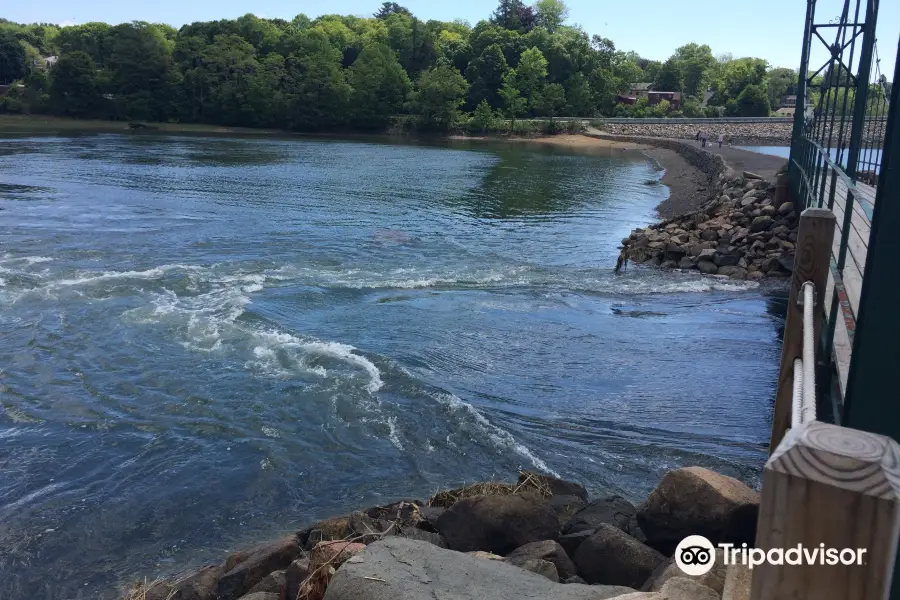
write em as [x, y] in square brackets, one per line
[338, 72]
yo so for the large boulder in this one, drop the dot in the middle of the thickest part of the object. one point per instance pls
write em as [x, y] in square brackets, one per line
[261, 596]
[258, 563]
[761, 223]
[692, 501]
[544, 568]
[571, 541]
[336, 528]
[546, 550]
[677, 588]
[199, 585]
[612, 510]
[498, 524]
[294, 576]
[401, 569]
[271, 583]
[713, 579]
[612, 557]
[556, 486]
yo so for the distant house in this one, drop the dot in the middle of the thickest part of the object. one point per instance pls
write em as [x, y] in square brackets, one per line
[639, 90]
[49, 61]
[620, 99]
[789, 101]
[673, 98]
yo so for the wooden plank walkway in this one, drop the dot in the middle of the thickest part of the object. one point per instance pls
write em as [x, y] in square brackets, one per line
[857, 236]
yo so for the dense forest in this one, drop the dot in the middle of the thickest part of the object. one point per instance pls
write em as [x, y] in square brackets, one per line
[336, 72]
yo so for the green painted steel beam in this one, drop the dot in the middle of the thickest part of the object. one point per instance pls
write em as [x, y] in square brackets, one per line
[872, 402]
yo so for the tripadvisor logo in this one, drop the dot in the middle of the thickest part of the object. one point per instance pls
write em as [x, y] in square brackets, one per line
[695, 555]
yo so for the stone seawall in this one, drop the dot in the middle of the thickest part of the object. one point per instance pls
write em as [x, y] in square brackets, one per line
[540, 538]
[737, 134]
[711, 165]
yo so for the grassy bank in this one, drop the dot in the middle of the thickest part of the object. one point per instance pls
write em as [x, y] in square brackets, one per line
[49, 124]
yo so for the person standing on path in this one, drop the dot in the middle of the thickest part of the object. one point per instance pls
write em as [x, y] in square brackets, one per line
[697, 137]
[703, 139]
[721, 139]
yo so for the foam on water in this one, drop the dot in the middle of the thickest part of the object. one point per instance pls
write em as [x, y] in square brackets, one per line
[500, 437]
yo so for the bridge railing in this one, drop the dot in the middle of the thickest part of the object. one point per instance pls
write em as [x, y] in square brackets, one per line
[826, 489]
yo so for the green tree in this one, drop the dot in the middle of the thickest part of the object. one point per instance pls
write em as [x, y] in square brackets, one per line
[12, 58]
[91, 38]
[670, 77]
[579, 96]
[318, 94]
[550, 14]
[753, 101]
[513, 102]
[380, 86]
[696, 64]
[74, 89]
[551, 100]
[781, 82]
[144, 78]
[482, 118]
[486, 74]
[439, 94]
[513, 15]
[531, 73]
[391, 8]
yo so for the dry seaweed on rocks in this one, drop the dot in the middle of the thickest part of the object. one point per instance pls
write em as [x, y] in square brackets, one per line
[529, 483]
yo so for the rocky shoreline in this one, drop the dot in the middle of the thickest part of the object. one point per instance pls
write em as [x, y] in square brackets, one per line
[539, 538]
[737, 134]
[748, 231]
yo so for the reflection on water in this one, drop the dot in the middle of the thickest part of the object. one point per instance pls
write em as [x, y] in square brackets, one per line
[205, 341]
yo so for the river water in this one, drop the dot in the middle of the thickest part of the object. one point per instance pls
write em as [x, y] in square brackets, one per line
[206, 341]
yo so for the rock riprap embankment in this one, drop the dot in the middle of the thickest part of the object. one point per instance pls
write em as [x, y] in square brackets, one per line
[738, 134]
[541, 538]
[743, 233]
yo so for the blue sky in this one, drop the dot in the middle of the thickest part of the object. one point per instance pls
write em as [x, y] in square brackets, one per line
[770, 29]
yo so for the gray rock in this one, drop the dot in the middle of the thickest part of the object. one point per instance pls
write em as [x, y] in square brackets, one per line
[541, 567]
[722, 259]
[761, 224]
[686, 262]
[612, 557]
[415, 533]
[707, 253]
[755, 275]
[294, 575]
[272, 583]
[709, 235]
[612, 510]
[200, 585]
[713, 579]
[410, 570]
[786, 208]
[768, 211]
[749, 175]
[498, 524]
[558, 487]
[707, 267]
[786, 262]
[574, 579]
[258, 563]
[430, 516]
[668, 264]
[546, 550]
[261, 596]
[691, 501]
[571, 541]
[732, 271]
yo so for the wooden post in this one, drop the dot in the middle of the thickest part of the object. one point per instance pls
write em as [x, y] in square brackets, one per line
[835, 486]
[811, 261]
